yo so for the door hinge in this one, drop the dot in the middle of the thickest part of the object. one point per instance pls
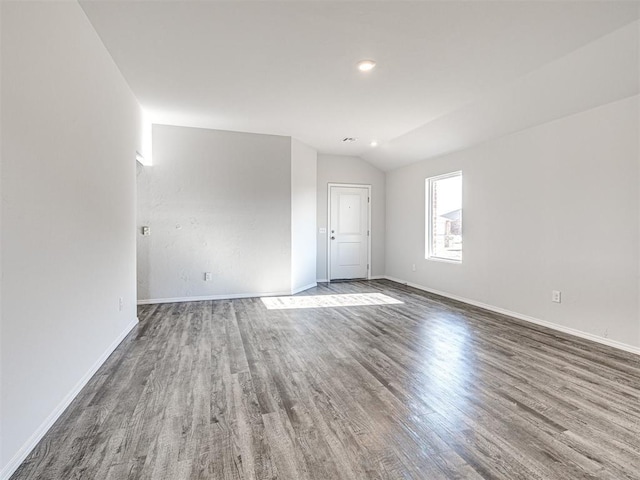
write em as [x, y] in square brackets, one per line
[368, 199]
[367, 233]
[367, 266]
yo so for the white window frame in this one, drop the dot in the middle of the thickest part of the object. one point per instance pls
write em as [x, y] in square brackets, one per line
[429, 255]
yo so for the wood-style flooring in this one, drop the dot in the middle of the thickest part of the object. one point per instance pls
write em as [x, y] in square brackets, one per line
[426, 389]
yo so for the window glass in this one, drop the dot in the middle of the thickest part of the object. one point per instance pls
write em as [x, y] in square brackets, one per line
[444, 217]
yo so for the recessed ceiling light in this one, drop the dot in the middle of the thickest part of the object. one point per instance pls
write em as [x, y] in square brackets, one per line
[374, 143]
[366, 65]
[349, 139]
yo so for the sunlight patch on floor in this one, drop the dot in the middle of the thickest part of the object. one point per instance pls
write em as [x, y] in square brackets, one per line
[328, 301]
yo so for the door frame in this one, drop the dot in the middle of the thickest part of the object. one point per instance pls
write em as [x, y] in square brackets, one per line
[369, 203]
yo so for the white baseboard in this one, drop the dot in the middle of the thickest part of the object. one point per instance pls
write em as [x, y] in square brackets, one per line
[526, 318]
[31, 443]
[302, 289]
[374, 277]
[224, 296]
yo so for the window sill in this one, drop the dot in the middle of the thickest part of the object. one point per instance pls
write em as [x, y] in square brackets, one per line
[444, 260]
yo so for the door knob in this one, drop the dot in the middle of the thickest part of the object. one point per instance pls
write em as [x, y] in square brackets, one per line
[333, 238]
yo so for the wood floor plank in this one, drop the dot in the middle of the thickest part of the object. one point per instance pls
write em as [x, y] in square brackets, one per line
[429, 388]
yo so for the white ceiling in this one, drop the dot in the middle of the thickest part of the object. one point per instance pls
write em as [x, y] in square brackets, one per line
[288, 68]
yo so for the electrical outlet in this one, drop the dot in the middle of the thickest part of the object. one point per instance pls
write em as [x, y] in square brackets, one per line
[207, 276]
[556, 296]
[413, 267]
[120, 304]
[146, 231]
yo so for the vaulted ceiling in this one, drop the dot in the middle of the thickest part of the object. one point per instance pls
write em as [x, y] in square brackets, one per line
[448, 74]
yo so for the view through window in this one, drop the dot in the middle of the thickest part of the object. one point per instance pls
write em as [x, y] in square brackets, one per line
[444, 217]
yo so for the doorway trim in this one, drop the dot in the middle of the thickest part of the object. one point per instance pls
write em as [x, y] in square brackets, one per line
[369, 203]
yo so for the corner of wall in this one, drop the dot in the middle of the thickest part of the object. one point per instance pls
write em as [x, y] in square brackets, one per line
[1, 208]
[304, 166]
[41, 431]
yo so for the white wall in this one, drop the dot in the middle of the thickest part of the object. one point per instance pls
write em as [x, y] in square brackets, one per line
[303, 215]
[216, 202]
[70, 130]
[554, 207]
[3, 471]
[343, 169]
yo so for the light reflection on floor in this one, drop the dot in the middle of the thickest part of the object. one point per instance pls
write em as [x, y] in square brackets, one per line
[447, 370]
[328, 301]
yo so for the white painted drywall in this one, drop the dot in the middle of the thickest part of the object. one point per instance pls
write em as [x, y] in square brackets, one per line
[554, 207]
[303, 215]
[2, 462]
[342, 169]
[70, 130]
[216, 202]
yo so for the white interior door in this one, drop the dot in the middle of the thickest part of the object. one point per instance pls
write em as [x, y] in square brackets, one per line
[348, 232]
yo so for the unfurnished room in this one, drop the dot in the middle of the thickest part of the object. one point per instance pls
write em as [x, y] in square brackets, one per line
[319, 240]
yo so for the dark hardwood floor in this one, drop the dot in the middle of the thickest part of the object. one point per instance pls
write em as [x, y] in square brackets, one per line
[426, 389]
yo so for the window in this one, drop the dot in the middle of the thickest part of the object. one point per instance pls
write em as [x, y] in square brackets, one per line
[444, 217]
